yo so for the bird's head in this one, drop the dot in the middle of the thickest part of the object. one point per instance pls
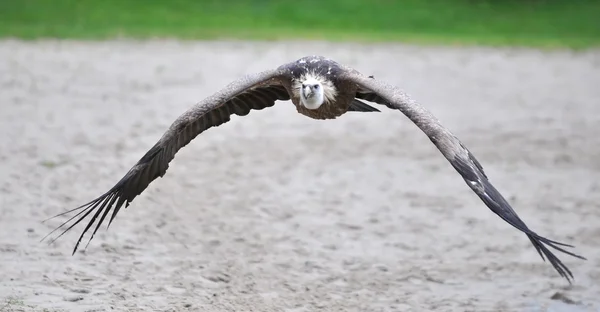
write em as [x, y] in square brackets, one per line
[312, 93]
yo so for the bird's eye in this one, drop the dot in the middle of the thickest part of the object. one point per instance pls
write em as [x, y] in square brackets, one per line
[316, 86]
[303, 86]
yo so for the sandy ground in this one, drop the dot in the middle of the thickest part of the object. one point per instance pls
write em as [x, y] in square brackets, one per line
[277, 212]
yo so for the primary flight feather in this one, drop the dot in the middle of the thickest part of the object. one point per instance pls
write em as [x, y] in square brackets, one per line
[320, 88]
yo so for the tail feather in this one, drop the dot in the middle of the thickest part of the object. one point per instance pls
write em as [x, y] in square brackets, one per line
[360, 106]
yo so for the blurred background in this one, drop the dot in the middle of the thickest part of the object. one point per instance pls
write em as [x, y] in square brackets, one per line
[279, 212]
[548, 23]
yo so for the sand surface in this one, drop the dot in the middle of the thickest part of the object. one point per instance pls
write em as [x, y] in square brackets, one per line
[277, 212]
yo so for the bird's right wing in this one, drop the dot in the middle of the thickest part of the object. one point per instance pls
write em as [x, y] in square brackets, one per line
[251, 92]
[459, 157]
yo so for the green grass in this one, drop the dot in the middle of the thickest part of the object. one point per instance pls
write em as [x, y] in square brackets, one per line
[538, 23]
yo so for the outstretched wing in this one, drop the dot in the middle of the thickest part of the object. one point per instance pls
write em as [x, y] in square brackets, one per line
[252, 92]
[460, 158]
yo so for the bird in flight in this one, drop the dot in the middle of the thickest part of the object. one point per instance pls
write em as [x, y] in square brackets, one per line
[320, 88]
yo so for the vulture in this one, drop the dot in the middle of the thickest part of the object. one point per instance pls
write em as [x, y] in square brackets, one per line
[320, 88]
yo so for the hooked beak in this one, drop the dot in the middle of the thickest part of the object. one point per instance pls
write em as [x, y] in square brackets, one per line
[308, 91]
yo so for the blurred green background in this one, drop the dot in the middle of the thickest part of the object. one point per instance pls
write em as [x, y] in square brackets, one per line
[539, 23]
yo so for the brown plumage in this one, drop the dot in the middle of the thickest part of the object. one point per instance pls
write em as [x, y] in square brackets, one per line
[320, 89]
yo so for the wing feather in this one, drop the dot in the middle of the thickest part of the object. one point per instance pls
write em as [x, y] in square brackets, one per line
[461, 159]
[256, 91]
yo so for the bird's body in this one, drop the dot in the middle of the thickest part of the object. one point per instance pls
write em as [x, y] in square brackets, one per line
[338, 94]
[322, 89]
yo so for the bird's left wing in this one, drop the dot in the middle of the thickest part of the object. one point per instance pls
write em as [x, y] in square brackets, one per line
[251, 92]
[459, 157]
